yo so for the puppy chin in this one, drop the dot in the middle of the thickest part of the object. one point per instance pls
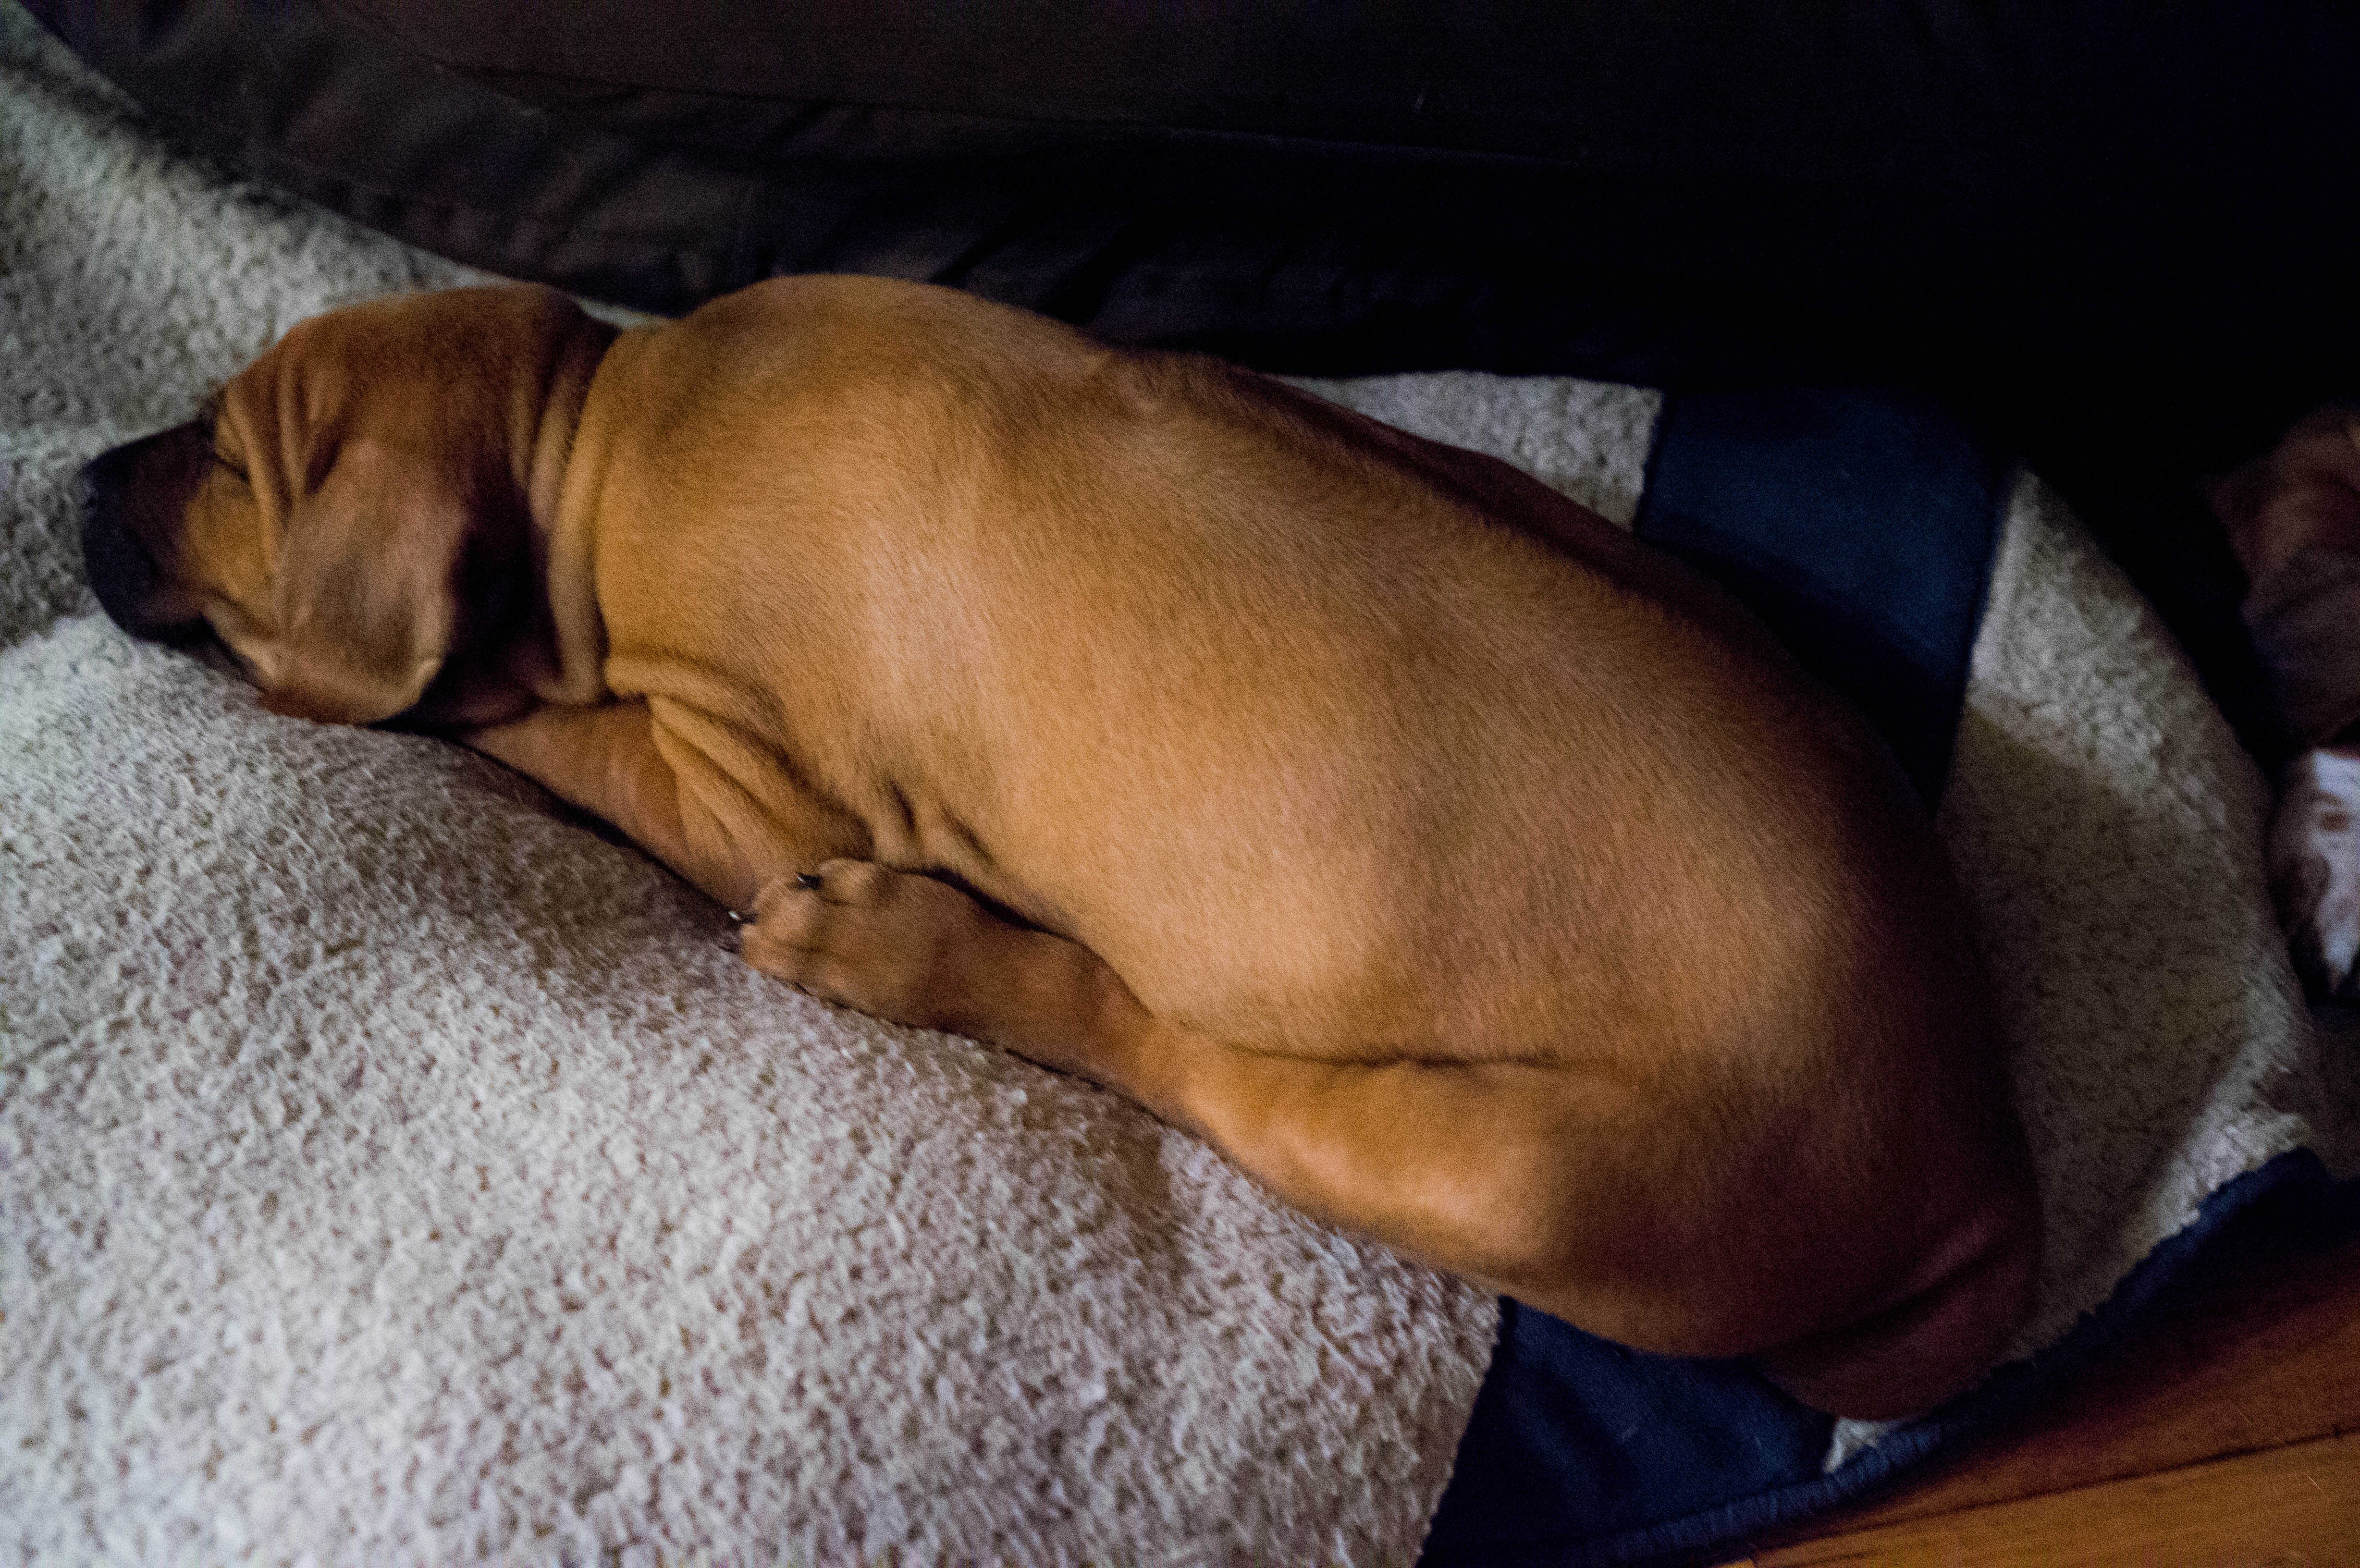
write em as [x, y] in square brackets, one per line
[492, 682]
[466, 705]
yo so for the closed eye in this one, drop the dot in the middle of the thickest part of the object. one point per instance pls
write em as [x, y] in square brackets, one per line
[212, 433]
[209, 649]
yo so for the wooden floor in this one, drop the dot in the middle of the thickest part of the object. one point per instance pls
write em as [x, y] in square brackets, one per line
[2224, 1432]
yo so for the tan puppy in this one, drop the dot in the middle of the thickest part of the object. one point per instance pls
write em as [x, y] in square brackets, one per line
[1472, 877]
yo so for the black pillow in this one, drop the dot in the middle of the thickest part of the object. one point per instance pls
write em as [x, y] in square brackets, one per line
[1905, 190]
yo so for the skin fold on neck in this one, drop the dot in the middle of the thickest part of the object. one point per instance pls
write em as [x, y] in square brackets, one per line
[567, 457]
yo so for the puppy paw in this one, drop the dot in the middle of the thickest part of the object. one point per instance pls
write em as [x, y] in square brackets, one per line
[900, 947]
[2314, 868]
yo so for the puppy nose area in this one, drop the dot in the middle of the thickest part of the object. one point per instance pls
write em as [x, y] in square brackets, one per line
[130, 499]
[408, 1156]
[121, 575]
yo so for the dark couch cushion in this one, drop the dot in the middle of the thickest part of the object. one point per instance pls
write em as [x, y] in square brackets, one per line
[1899, 191]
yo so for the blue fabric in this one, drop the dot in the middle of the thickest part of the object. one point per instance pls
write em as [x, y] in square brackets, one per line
[1574, 1437]
[1860, 529]
[1539, 1520]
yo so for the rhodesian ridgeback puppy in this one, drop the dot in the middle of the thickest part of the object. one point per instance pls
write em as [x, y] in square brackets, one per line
[1470, 876]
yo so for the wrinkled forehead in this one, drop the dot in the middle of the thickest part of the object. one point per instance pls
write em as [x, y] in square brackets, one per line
[311, 376]
[231, 523]
[371, 370]
[445, 374]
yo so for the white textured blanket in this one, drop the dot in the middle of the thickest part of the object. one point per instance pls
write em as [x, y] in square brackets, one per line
[394, 1170]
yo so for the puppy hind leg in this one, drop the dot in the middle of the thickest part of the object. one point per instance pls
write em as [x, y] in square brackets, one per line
[1516, 1174]
[1950, 1322]
[1384, 1148]
[612, 760]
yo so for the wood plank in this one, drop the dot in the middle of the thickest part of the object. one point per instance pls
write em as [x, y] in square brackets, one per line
[2262, 1353]
[2288, 1508]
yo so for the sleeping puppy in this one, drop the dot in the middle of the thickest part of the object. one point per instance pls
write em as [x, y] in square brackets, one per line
[1473, 878]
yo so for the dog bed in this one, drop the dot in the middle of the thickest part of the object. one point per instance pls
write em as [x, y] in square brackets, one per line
[396, 1168]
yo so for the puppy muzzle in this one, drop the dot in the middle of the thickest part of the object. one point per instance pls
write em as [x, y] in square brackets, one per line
[135, 501]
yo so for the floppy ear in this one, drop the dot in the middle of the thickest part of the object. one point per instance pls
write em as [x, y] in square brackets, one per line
[369, 584]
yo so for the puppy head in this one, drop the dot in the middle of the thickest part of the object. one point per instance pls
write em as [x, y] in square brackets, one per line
[351, 518]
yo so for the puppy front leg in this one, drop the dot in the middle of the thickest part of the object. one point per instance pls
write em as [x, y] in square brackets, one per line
[913, 950]
[611, 759]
